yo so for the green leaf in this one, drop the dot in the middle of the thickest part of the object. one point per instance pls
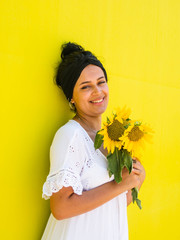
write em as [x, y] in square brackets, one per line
[108, 121]
[98, 140]
[137, 123]
[110, 173]
[120, 157]
[114, 166]
[109, 168]
[134, 193]
[139, 203]
[117, 161]
[127, 125]
[127, 160]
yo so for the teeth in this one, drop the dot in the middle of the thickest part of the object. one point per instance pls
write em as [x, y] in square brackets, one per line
[98, 101]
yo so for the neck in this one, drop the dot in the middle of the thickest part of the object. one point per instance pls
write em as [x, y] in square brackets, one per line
[91, 124]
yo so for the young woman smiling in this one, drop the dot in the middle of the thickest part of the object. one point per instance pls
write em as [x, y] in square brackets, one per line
[85, 203]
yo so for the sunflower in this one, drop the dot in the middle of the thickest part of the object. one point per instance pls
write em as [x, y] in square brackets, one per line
[123, 139]
[123, 113]
[135, 136]
[114, 129]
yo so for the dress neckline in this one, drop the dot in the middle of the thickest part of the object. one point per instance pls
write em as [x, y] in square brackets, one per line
[78, 124]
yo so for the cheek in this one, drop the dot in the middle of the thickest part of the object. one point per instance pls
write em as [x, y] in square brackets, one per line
[106, 91]
[107, 94]
[81, 98]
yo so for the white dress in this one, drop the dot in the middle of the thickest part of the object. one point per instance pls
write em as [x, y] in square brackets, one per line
[74, 162]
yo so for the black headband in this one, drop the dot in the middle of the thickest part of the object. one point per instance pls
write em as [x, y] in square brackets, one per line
[70, 74]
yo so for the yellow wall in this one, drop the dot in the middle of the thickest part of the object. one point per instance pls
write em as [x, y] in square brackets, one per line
[138, 42]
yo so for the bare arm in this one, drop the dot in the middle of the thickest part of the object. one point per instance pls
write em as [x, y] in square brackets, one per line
[65, 203]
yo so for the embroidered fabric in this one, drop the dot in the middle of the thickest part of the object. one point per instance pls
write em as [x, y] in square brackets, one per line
[74, 162]
[63, 178]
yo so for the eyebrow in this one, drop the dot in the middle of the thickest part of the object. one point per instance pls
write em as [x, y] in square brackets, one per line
[90, 81]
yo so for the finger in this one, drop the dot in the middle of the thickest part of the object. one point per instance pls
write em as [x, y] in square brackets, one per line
[137, 164]
[136, 159]
[136, 171]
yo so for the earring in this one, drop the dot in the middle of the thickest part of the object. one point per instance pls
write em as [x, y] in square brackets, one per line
[72, 106]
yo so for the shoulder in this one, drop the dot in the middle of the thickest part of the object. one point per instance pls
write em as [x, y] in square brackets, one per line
[68, 133]
[69, 127]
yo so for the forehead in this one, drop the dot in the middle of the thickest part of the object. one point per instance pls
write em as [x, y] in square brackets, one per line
[90, 73]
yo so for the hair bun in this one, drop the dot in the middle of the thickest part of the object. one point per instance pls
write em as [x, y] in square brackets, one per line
[68, 48]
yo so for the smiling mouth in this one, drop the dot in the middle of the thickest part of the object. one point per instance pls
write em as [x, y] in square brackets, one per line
[98, 101]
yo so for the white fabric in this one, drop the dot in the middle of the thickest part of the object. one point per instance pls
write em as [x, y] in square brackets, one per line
[74, 162]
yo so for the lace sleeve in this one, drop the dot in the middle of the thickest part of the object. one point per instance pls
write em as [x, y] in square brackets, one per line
[63, 178]
[66, 163]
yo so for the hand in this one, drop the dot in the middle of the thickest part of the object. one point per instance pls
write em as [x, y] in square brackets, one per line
[132, 180]
[125, 172]
[139, 170]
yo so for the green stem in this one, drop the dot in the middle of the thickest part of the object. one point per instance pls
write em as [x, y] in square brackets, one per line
[117, 158]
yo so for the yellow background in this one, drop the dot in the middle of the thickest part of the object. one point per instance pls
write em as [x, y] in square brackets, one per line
[139, 44]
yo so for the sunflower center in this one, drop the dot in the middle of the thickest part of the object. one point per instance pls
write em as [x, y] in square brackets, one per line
[115, 130]
[135, 134]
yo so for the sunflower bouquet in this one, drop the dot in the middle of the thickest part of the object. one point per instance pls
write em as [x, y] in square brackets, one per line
[124, 139]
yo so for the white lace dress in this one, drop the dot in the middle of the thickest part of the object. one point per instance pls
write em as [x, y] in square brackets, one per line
[74, 162]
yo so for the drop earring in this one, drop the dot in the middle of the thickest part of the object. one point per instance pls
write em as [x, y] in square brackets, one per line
[72, 106]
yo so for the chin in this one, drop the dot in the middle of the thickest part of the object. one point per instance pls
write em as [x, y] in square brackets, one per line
[100, 111]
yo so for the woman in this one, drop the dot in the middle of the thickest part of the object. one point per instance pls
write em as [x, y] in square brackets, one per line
[85, 203]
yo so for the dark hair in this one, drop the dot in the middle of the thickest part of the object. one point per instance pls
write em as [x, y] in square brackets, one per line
[73, 60]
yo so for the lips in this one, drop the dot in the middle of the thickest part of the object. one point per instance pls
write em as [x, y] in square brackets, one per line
[100, 100]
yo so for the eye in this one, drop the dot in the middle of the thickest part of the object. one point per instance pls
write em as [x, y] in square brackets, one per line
[85, 87]
[102, 82]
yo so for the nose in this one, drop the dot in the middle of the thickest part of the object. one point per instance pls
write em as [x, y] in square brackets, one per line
[96, 90]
